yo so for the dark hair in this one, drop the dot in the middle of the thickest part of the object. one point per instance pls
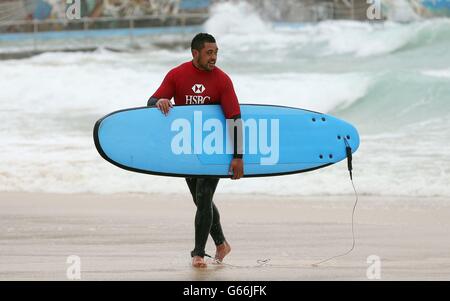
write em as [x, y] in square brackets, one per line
[200, 39]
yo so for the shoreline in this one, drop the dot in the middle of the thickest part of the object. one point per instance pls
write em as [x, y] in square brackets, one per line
[149, 237]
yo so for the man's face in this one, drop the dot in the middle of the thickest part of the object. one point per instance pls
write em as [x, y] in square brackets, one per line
[207, 57]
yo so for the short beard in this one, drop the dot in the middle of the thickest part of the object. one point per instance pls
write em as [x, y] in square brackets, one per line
[205, 66]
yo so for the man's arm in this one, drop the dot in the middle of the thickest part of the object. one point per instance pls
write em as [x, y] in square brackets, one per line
[236, 169]
[237, 137]
[231, 109]
[163, 104]
[161, 98]
[151, 102]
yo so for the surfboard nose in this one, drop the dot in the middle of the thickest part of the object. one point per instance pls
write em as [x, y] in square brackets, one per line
[352, 137]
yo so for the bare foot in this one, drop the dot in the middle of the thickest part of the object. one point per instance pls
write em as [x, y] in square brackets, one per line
[198, 262]
[222, 250]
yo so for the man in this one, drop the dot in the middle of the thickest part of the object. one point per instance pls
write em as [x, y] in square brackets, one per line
[200, 82]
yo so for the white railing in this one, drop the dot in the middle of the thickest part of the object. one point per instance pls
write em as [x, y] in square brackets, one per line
[180, 19]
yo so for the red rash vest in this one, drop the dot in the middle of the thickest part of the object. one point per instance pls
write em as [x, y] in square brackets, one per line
[190, 85]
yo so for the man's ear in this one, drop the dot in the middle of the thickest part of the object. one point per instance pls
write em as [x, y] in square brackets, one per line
[195, 53]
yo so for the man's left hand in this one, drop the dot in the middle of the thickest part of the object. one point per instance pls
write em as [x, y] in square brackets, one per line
[236, 168]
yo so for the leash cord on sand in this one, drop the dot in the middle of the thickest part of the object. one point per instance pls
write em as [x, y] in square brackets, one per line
[259, 263]
[265, 262]
[353, 233]
[348, 151]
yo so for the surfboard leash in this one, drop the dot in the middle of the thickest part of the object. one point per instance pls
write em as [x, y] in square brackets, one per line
[259, 263]
[348, 151]
[265, 262]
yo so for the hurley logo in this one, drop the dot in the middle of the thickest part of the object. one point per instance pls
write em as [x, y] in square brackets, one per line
[198, 88]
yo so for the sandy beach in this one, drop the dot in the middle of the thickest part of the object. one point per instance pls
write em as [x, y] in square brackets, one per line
[149, 237]
[382, 68]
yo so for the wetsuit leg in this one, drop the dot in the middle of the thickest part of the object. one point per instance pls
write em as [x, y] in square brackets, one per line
[207, 218]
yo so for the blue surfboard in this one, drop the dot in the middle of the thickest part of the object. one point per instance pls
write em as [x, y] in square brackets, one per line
[194, 140]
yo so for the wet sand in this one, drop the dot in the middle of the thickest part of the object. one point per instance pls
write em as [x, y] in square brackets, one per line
[149, 237]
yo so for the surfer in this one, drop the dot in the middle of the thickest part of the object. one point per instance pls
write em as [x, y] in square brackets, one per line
[199, 81]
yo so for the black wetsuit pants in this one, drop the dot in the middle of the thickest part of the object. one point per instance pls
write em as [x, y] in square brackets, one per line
[207, 218]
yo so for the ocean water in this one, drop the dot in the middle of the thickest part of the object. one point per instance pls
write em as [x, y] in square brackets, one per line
[391, 80]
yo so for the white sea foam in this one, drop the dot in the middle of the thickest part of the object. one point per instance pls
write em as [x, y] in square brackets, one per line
[49, 104]
[442, 73]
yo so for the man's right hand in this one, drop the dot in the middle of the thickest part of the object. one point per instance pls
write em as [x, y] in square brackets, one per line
[236, 169]
[164, 105]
